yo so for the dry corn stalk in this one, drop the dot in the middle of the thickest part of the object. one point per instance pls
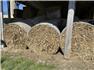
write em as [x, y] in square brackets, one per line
[23, 25]
[82, 40]
[44, 38]
[15, 36]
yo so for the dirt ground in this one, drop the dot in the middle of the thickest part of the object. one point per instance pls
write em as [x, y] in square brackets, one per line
[73, 63]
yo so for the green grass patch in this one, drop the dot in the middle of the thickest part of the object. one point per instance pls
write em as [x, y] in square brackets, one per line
[20, 63]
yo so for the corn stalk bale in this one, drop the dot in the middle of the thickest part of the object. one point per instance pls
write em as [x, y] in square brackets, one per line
[44, 38]
[23, 25]
[82, 40]
[15, 36]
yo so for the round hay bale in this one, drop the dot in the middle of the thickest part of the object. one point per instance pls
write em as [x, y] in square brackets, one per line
[44, 38]
[15, 36]
[82, 39]
[23, 25]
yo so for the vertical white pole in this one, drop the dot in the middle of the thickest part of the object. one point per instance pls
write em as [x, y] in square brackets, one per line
[70, 18]
[12, 7]
[1, 25]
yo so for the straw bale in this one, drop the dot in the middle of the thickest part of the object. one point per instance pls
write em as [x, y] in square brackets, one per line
[23, 25]
[44, 38]
[15, 36]
[82, 40]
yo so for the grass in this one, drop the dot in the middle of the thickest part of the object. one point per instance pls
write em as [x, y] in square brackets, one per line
[9, 62]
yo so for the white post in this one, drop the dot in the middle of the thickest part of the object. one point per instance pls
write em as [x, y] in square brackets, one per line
[12, 7]
[1, 25]
[70, 18]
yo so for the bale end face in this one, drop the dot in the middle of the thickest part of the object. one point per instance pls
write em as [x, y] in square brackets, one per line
[82, 39]
[44, 38]
[14, 36]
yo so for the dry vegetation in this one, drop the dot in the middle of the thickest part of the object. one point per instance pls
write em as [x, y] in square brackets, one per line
[15, 36]
[44, 38]
[82, 40]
